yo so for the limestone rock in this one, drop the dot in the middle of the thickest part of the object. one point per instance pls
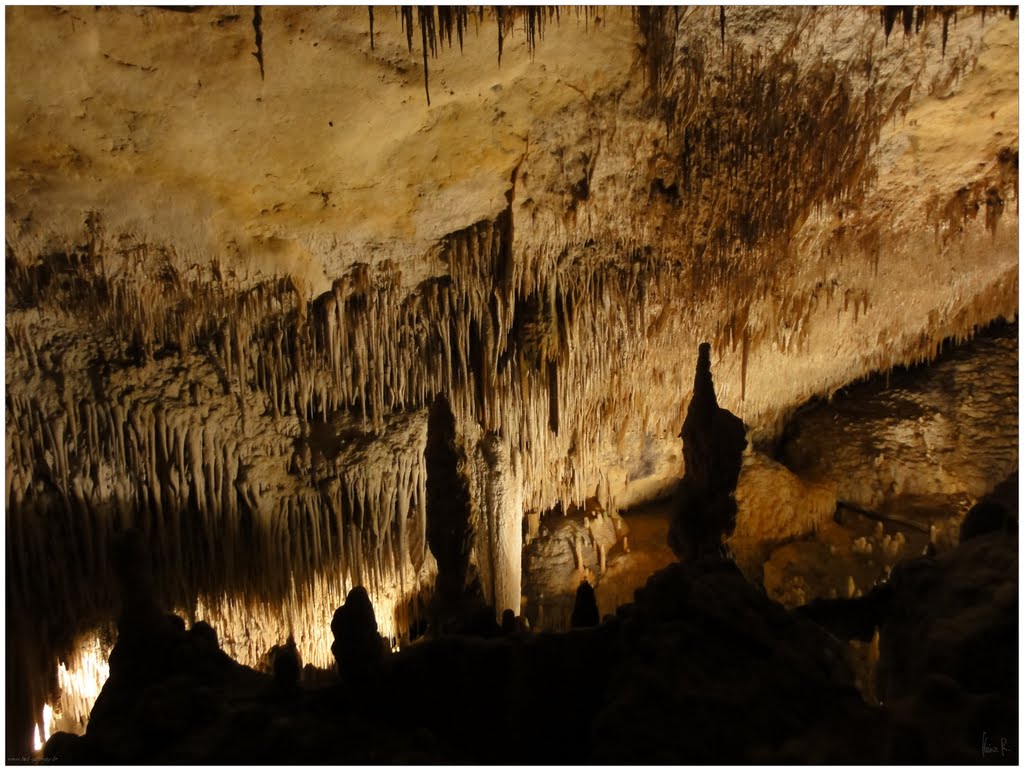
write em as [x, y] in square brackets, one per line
[358, 649]
[944, 430]
[449, 526]
[713, 444]
[585, 612]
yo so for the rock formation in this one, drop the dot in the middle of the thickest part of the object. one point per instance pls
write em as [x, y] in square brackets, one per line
[509, 625]
[700, 648]
[998, 511]
[565, 549]
[140, 613]
[449, 529]
[947, 628]
[358, 648]
[713, 444]
[286, 666]
[948, 429]
[584, 611]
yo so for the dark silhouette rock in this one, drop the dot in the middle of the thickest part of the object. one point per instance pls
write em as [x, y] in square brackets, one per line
[149, 640]
[508, 622]
[166, 684]
[204, 636]
[584, 612]
[286, 665]
[358, 648]
[140, 612]
[701, 668]
[713, 444]
[449, 532]
[947, 625]
[996, 512]
[477, 620]
[207, 660]
[65, 748]
[964, 604]
[986, 517]
[851, 619]
[706, 647]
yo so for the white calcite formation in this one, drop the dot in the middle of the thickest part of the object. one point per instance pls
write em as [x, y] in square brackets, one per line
[233, 286]
[775, 504]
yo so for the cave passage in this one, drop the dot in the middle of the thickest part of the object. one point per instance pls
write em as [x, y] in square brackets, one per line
[621, 377]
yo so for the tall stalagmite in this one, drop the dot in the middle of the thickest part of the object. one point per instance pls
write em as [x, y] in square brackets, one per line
[713, 443]
[498, 541]
[449, 526]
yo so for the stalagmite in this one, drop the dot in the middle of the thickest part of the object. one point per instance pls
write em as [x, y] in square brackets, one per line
[533, 523]
[358, 648]
[449, 529]
[585, 612]
[499, 555]
[713, 443]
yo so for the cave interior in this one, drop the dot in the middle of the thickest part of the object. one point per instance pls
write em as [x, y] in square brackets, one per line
[512, 385]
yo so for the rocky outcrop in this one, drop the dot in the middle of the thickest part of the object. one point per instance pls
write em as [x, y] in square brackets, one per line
[701, 668]
[713, 443]
[906, 458]
[585, 611]
[999, 511]
[948, 644]
[945, 430]
[774, 504]
[580, 697]
[564, 549]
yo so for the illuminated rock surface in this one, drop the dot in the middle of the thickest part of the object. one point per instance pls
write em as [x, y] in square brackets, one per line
[702, 666]
[953, 431]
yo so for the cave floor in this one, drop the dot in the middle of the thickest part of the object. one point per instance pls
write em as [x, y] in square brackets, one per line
[845, 557]
[648, 553]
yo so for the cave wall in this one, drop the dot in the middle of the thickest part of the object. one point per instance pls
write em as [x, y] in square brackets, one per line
[232, 284]
[945, 431]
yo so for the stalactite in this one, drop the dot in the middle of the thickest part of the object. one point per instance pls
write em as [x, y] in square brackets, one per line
[743, 370]
[407, 25]
[908, 19]
[428, 34]
[553, 396]
[257, 25]
[499, 13]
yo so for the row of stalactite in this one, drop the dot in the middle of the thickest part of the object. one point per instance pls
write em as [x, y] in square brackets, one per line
[551, 369]
[766, 142]
[190, 477]
[165, 446]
